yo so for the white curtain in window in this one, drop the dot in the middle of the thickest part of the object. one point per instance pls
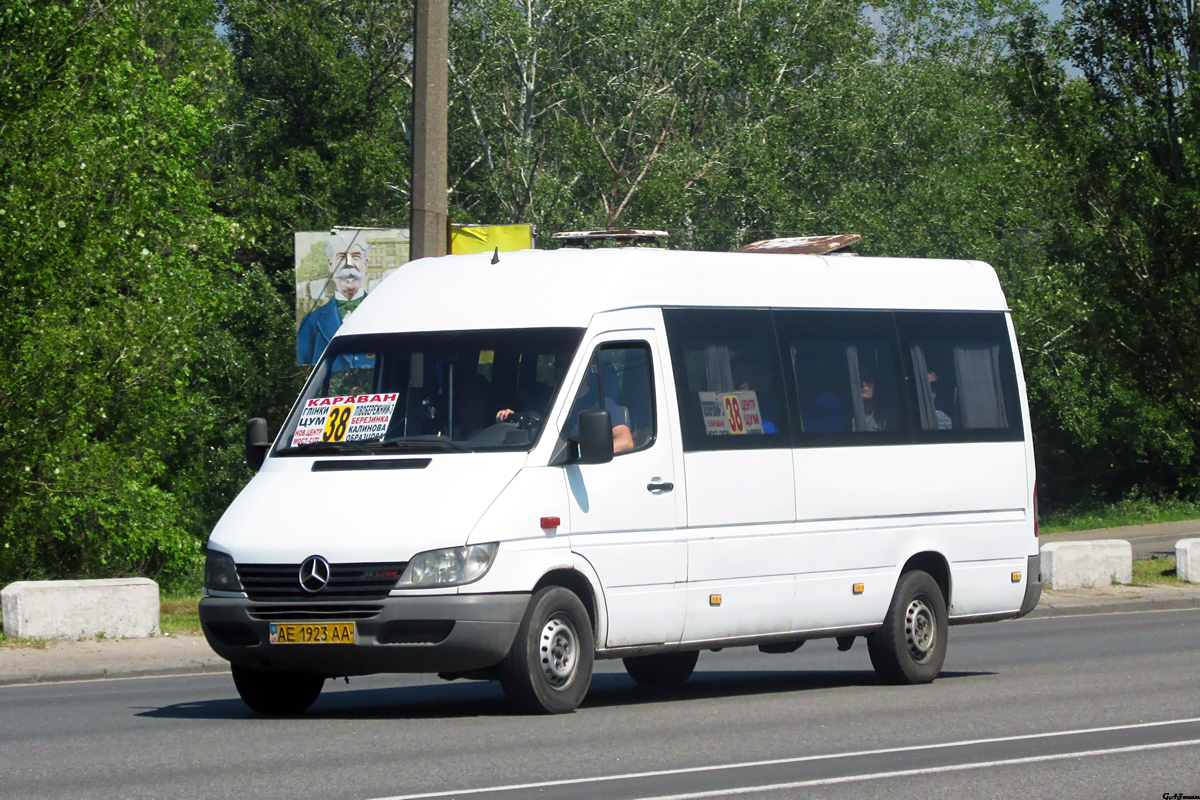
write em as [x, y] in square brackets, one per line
[924, 393]
[860, 413]
[718, 372]
[980, 401]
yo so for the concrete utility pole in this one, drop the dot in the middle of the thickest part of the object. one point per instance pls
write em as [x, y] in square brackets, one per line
[431, 52]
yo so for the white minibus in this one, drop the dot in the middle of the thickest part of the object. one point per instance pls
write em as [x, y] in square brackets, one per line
[505, 471]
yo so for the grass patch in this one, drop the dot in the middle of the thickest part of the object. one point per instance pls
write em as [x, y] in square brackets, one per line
[180, 616]
[16, 643]
[1155, 572]
[1131, 511]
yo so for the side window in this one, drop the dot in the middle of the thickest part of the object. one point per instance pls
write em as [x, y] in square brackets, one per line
[728, 378]
[619, 381]
[848, 381]
[965, 387]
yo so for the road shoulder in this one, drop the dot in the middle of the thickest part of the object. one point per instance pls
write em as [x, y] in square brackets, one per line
[65, 659]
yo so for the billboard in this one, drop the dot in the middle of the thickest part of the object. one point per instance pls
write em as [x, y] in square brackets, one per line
[466, 239]
[335, 270]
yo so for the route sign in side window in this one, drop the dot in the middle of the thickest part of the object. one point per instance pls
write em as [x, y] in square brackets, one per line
[848, 381]
[965, 383]
[728, 378]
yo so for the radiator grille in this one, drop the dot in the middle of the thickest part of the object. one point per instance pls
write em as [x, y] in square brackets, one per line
[313, 612]
[346, 581]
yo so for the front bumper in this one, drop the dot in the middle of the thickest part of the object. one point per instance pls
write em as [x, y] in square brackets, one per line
[442, 633]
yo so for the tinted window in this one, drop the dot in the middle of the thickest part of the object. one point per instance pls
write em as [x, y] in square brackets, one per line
[728, 378]
[847, 377]
[964, 375]
[619, 382]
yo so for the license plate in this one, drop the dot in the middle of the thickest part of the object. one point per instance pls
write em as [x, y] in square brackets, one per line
[314, 633]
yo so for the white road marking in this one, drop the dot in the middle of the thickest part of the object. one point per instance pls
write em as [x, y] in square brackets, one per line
[904, 773]
[853, 754]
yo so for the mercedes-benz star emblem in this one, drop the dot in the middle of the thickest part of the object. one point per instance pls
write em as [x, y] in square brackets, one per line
[314, 574]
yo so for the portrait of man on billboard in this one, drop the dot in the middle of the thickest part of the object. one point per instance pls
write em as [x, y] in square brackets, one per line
[349, 252]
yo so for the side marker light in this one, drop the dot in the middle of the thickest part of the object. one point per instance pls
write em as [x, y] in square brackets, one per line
[714, 599]
[549, 523]
[1016, 577]
[858, 588]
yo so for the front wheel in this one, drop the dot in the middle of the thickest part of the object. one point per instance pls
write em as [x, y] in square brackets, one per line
[911, 645]
[277, 692]
[549, 668]
[663, 670]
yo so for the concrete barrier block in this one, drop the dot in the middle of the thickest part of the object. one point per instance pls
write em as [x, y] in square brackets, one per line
[1077, 565]
[1187, 560]
[119, 608]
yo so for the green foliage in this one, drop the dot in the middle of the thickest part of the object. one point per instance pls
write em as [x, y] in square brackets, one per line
[317, 130]
[1132, 510]
[117, 385]
[154, 166]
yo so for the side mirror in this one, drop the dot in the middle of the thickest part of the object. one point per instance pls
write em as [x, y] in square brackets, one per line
[257, 442]
[595, 437]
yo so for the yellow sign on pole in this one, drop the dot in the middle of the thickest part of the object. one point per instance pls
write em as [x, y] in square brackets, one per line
[466, 239]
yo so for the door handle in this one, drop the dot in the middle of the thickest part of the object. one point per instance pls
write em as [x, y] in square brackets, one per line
[659, 487]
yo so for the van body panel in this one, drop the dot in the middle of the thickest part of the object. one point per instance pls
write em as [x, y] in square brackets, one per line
[827, 600]
[747, 607]
[900, 481]
[987, 587]
[288, 512]
[625, 528]
[516, 513]
[642, 278]
[740, 487]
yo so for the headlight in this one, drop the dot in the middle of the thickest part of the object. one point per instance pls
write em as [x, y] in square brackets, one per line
[450, 567]
[220, 574]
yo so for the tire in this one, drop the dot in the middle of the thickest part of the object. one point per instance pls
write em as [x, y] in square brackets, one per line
[911, 645]
[549, 668]
[277, 692]
[663, 670]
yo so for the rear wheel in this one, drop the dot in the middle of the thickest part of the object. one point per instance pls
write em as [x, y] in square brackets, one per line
[549, 668]
[277, 692]
[911, 645]
[664, 669]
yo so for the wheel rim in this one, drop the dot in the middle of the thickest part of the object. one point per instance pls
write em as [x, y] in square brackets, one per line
[558, 652]
[920, 630]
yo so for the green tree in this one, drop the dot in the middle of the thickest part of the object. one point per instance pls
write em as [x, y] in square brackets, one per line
[107, 113]
[1126, 249]
[318, 133]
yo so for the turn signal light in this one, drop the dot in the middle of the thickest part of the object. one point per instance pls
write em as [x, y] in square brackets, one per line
[858, 588]
[714, 599]
[1016, 577]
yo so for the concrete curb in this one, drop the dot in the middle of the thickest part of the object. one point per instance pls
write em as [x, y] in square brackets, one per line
[110, 674]
[1045, 609]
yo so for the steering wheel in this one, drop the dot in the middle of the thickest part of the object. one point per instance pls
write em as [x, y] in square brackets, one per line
[527, 420]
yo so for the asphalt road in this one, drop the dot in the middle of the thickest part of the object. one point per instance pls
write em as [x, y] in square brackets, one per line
[1090, 706]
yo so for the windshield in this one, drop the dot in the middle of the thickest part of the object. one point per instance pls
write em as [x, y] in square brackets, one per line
[430, 392]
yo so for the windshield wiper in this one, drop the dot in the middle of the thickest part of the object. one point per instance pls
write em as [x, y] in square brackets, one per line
[322, 448]
[435, 442]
